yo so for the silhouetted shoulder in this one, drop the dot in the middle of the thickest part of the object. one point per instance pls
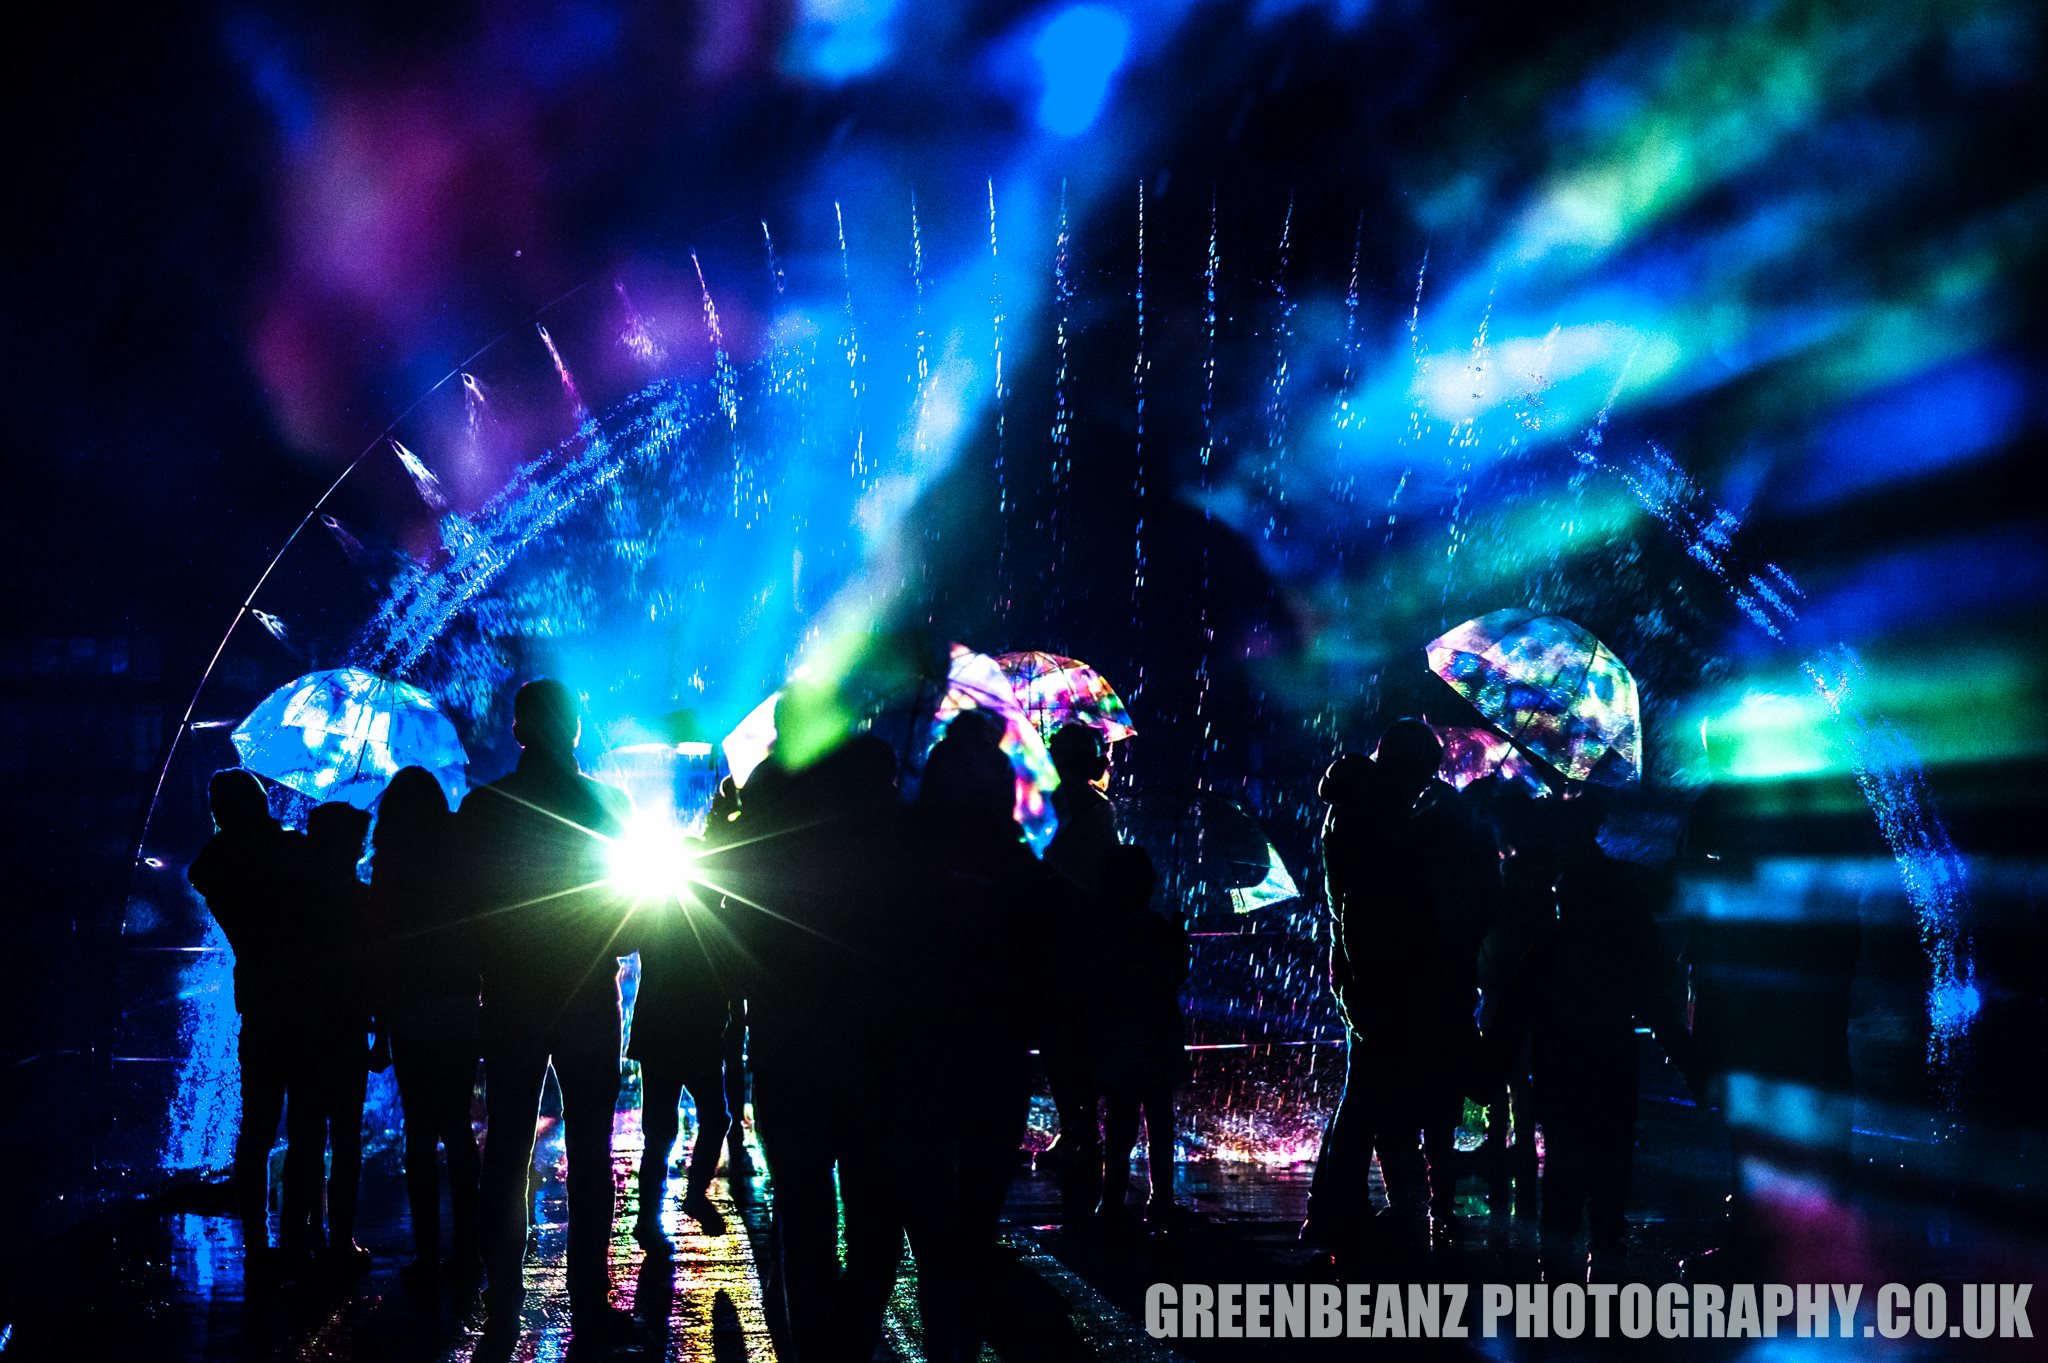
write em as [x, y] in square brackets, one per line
[482, 798]
[1349, 780]
[615, 802]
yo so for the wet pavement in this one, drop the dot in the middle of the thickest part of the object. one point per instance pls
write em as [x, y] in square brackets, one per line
[163, 1278]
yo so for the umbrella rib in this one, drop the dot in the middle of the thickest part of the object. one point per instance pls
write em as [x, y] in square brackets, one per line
[1514, 735]
[1592, 656]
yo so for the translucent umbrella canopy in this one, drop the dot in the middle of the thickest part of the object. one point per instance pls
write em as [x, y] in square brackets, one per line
[1550, 686]
[972, 681]
[1473, 751]
[1207, 847]
[341, 734]
[1054, 690]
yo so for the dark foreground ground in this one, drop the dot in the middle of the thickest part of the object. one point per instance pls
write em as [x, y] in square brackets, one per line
[161, 1278]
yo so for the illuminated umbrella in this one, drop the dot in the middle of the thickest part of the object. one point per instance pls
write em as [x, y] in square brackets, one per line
[918, 716]
[339, 735]
[1547, 684]
[1472, 751]
[1054, 690]
[1207, 845]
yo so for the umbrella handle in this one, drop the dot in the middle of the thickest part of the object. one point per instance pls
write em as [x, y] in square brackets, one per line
[1554, 781]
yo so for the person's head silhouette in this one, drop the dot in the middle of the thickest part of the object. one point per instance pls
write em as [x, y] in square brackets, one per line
[546, 719]
[865, 765]
[237, 799]
[337, 831]
[967, 772]
[1409, 752]
[409, 806]
[1078, 754]
[976, 725]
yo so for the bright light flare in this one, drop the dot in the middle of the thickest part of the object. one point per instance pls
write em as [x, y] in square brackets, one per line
[652, 862]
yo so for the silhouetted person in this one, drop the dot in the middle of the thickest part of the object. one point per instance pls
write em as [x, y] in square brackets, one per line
[811, 878]
[252, 874]
[1524, 913]
[324, 1110]
[1600, 970]
[1407, 882]
[426, 982]
[551, 930]
[1086, 821]
[1139, 1035]
[720, 828]
[680, 1018]
[1085, 835]
[969, 953]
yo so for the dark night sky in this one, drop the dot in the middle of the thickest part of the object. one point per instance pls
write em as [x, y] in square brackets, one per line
[245, 238]
[152, 231]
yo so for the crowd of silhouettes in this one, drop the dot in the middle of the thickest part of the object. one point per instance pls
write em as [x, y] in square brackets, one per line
[1484, 945]
[886, 952]
[871, 941]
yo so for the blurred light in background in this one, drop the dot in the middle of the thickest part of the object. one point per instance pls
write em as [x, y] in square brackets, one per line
[838, 40]
[1767, 736]
[1913, 428]
[1078, 52]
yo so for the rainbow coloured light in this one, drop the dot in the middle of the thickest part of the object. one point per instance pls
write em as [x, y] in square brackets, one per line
[1549, 685]
[1054, 691]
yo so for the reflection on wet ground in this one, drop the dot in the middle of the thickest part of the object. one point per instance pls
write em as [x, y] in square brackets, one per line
[164, 1279]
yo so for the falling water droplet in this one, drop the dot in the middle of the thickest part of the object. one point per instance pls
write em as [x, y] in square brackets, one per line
[1464, 439]
[1062, 463]
[638, 337]
[1344, 483]
[475, 407]
[849, 340]
[727, 384]
[423, 478]
[562, 373]
[351, 548]
[1004, 588]
[922, 366]
[1211, 270]
[922, 384]
[1138, 365]
[775, 277]
[1272, 476]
